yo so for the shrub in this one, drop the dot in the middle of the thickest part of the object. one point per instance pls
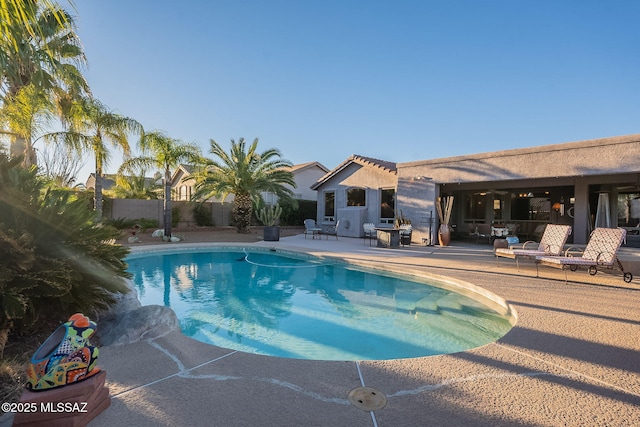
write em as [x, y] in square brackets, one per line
[120, 223]
[146, 223]
[202, 215]
[175, 216]
[295, 213]
[53, 258]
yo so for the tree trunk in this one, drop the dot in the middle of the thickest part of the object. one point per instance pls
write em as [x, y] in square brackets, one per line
[17, 146]
[241, 210]
[97, 196]
[167, 203]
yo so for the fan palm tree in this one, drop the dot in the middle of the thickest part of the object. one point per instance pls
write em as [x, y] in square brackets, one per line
[165, 153]
[92, 127]
[245, 173]
[46, 58]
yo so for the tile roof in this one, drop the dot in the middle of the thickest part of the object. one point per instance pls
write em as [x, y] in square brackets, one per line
[362, 161]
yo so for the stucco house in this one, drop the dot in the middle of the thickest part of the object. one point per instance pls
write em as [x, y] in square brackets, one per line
[304, 174]
[584, 184]
[108, 181]
[359, 190]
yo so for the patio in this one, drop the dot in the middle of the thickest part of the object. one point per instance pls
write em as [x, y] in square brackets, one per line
[573, 358]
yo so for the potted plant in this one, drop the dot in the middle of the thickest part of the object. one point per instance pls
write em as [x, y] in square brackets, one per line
[269, 216]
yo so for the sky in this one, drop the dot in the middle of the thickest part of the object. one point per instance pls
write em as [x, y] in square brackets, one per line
[394, 80]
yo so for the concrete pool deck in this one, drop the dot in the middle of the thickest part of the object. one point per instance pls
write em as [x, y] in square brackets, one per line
[572, 359]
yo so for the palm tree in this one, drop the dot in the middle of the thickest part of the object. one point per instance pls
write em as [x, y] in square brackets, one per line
[92, 126]
[44, 55]
[165, 153]
[245, 173]
[135, 186]
[26, 116]
[18, 16]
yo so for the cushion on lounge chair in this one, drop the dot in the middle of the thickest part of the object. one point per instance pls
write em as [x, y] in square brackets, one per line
[551, 243]
[601, 250]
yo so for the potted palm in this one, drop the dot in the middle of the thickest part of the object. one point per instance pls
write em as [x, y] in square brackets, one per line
[269, 216]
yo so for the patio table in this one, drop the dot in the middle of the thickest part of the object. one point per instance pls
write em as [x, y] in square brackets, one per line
[388, 237]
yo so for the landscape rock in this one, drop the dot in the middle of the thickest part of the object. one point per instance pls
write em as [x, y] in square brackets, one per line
[141, 323]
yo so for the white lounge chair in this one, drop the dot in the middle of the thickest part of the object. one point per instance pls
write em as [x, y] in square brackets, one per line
[601, 252]
[311, 228]
[551, 243]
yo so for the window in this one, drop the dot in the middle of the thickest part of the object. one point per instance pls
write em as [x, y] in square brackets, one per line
[476, 206]
[184, 192]
[628, 209]
[498, 207]
[387, 205]
[329, 206]
[356, 197]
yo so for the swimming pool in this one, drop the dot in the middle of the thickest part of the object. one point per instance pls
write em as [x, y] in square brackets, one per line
[289, 305]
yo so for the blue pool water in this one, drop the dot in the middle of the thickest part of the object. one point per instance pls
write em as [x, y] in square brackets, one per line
[307, 308]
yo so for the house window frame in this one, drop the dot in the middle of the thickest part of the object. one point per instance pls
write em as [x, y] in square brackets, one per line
[386, 220]
[325, 217]
[364, 192]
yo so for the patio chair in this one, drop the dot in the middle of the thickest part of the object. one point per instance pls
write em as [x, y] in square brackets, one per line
[405, 234]
[332, 230]
[472, 230]
[483, 231]
[551, 243]
[369, 232]
[600, 253]
[311, 228]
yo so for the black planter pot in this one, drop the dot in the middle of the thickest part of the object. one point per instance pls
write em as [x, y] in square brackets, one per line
[271, 233]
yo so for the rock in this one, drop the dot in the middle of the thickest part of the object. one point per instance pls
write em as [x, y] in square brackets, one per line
[142, 323]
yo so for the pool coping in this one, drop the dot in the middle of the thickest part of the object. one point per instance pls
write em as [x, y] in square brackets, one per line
[567, 361]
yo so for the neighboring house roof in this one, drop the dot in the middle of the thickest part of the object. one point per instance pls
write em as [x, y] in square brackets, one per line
[109, 181]
[308, 165]
[183, 169]
[363, 161]
[188, 169]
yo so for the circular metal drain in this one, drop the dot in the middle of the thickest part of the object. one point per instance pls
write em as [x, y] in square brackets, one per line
[367, 398]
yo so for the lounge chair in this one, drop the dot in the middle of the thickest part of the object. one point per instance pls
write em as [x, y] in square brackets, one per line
[551, 243]
[332, 230]
[311, 228]
[601, 252]
[369, 231]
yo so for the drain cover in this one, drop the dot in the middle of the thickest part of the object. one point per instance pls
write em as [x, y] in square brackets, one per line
[367, 398]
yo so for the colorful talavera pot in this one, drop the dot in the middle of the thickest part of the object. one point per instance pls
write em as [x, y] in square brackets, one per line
[65, 357]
